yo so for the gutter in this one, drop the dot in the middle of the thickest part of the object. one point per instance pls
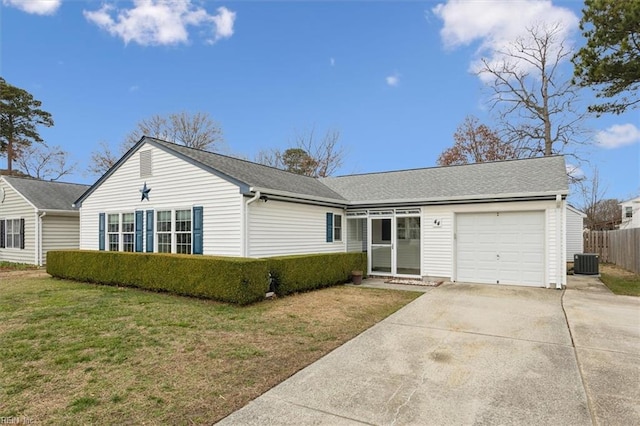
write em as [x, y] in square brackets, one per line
[290, 196]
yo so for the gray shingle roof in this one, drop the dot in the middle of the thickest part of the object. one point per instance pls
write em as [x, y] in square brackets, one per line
[255, 175]
[47, 195]
[482, 180]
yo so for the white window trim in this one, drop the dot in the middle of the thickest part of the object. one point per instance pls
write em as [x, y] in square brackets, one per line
[120, 232]
[174, 232]
[6, 233]
[341, 227]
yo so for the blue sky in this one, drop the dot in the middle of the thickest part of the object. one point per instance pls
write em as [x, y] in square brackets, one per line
[393, 77]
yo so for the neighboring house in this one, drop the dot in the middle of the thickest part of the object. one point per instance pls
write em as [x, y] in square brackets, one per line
[500, 222]
[575, 230]
[630, 214]
[37, 216]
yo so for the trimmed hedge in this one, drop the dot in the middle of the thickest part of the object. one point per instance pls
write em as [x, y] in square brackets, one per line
[235, 280]
[298, 273]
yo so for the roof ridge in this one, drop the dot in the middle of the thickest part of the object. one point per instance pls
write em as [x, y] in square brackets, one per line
[450, 166]
[31, 178]
[230, 157]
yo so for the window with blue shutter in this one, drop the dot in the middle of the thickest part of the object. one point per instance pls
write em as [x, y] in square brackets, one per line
[101, 231]
[22, 234]
[197, 230]
[149, 231]
[139, 230]
[329, 227]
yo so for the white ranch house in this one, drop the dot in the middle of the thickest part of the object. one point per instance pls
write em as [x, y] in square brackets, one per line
[494, 223]
[37, 216]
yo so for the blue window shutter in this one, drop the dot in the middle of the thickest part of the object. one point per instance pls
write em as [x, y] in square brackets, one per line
[2, 236]
[197, 230]
[329, 227]
[139, 230]
[149, 231]
[22, 234]
[101, 231]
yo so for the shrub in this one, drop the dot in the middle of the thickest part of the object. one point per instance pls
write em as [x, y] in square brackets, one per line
[227, 279]
[292, 274]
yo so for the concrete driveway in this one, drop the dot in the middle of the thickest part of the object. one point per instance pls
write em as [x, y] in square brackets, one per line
[475, 354]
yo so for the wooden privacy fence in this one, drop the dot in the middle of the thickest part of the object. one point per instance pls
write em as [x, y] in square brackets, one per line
[621, 247]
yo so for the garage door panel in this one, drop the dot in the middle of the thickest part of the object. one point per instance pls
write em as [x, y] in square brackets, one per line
[504, 248]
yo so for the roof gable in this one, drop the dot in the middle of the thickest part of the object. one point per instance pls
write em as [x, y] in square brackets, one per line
[47, 195]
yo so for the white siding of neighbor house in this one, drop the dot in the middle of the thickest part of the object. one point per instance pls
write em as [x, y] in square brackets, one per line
[16, 207]
[278, 228]
[175, 184]
[59, 233]
[575, 241]
[634, 220]
[439, 255]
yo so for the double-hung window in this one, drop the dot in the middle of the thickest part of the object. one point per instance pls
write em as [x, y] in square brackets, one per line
[113, 231]
[337, 227]
[13, 236]
[183, 231]
[628, 211]
[163, 225]
[128, 232]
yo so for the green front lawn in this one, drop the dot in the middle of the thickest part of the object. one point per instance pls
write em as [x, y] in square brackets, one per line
[79, 353]
[619, 280]
[629, 286]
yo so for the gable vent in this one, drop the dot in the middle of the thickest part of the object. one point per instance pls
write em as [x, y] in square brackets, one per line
[145, 164]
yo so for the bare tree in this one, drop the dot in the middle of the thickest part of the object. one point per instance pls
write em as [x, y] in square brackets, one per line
[197, 131]
[602, 213]
[102, 159]
[536, 104]
[47, 163]
[309, 155]
[476, 143]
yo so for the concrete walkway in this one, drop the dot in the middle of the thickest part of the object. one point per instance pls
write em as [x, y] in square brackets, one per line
[475, 354]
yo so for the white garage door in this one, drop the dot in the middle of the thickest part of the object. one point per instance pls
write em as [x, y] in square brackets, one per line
[501, 248]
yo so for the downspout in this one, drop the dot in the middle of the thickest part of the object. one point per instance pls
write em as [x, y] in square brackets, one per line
[560, 255]
[246, 223]
[39, 243]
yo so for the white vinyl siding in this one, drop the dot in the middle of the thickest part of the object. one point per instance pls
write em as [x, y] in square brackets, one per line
[16, 207]
[437, 242]
[278, 228]
[175, 185]
[575, 239]
[59, 233]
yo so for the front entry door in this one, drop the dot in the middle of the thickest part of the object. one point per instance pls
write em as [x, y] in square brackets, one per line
[395, 245]
[381, 246]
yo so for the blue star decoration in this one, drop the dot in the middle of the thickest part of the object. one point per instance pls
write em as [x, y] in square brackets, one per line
[145, 192]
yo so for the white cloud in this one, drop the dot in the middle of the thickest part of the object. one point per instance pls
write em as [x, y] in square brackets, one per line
[574, 171]
[134, 88]
[495, 25]
[393, 80]
[332, 61]
[224, 21]
[161, 22]
[38, 7]
[618, 135]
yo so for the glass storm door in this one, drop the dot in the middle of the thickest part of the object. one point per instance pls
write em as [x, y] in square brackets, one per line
[407, 246]
[381, 246]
